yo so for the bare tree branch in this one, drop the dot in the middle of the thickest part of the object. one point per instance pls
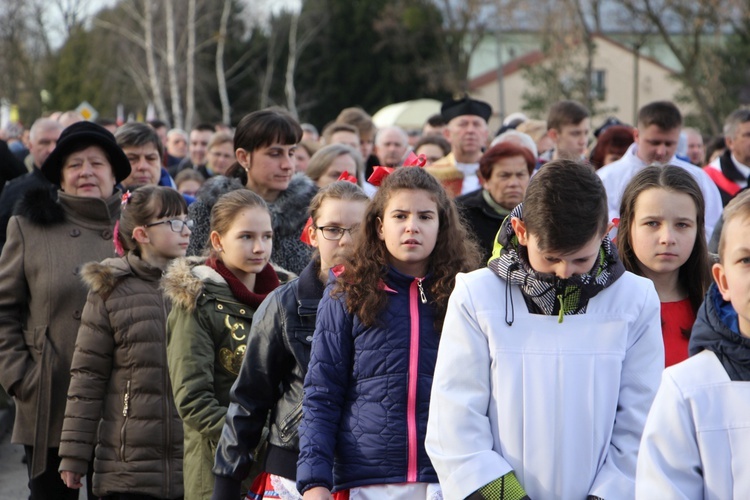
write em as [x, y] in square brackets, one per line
[221, 79]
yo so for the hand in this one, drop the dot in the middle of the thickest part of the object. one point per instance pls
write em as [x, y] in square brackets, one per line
[318, 493]
[71, 479]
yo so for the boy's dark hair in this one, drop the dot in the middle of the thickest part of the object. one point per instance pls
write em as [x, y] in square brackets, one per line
[565, 206]
[437, 140]
[738, 208]
[436, 120]
[566, 113]
[663, 114]
[158, 124]
[204, 127]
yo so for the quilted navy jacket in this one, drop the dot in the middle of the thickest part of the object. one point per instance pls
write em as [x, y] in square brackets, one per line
[367, 392]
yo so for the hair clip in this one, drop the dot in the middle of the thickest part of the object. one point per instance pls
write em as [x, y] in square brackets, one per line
[116, 235]
[379, 173]
[126, 198]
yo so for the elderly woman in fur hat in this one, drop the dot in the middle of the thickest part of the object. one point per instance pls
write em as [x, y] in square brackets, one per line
[41, 296]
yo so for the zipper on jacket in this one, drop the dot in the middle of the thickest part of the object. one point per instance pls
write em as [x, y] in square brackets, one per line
[422, 295]
[125, 410]
[411, 405]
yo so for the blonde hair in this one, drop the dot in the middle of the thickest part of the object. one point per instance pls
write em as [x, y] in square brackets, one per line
[738, 208]
[321, 161]
[536, 129]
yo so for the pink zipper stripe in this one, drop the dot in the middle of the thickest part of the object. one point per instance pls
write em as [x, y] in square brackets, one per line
[411, 407]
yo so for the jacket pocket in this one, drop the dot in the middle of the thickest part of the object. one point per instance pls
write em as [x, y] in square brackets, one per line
[29, 385]
[304, 335]
[290, 423]
[125, 417]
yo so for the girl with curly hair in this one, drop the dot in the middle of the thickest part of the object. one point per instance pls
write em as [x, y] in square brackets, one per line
[367, 389]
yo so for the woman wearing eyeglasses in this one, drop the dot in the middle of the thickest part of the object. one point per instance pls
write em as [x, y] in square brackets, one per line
[278, 351]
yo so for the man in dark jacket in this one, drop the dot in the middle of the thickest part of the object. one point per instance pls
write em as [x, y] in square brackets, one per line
[730, 171]
[43, 138]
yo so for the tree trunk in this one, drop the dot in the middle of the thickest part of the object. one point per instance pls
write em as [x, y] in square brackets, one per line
[148, 32]
[291, 63]
[190, 76]
[221, 79]
[174, 86]
[268, 77]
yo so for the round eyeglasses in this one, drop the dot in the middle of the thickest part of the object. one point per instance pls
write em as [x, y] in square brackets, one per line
[175, 224]
[335, 233]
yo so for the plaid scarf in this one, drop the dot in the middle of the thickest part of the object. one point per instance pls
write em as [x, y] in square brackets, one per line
[546, 293]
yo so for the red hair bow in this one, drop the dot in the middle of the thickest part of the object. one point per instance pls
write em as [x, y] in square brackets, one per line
[346, 176]
[380, 173]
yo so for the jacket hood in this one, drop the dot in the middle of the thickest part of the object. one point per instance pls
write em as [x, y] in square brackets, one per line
[716, 329]
[186, 278]
[102, 277]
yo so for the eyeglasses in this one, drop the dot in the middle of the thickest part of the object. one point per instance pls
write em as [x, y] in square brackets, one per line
[335, 233]
[175, 224]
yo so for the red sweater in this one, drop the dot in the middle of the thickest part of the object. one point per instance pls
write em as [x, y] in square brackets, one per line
[676, 317]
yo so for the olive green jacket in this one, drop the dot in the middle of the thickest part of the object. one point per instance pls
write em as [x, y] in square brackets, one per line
[206, 338]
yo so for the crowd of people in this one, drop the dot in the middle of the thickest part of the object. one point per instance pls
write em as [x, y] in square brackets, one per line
[274, 312]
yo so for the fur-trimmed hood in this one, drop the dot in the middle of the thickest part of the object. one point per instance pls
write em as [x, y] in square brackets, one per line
[186, 278]
[102, 277]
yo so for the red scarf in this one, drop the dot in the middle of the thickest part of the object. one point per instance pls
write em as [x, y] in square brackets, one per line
[265, 282]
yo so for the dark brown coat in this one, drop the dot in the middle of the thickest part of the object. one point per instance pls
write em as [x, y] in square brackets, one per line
[120, 373]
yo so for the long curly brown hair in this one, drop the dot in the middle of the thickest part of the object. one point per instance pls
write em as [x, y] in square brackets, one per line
[454, 252]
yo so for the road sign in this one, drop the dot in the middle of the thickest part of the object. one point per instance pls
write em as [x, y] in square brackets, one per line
[88, 111]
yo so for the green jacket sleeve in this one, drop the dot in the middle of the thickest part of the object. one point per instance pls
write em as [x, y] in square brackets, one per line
[190, 355]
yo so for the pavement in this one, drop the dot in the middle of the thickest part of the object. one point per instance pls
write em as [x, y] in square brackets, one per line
[13, 472]
[14, 476]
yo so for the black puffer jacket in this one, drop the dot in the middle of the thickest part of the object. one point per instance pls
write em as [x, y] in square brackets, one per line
[288, 218]
[271, 378]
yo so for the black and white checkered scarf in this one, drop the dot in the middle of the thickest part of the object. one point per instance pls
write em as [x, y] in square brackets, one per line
[546, 293]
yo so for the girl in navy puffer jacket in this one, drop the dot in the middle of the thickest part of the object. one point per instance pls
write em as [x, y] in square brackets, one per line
[367, 389]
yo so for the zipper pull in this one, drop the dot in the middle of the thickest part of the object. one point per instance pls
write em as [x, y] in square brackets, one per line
[127, 398]
[422, 295]
[562, 309]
